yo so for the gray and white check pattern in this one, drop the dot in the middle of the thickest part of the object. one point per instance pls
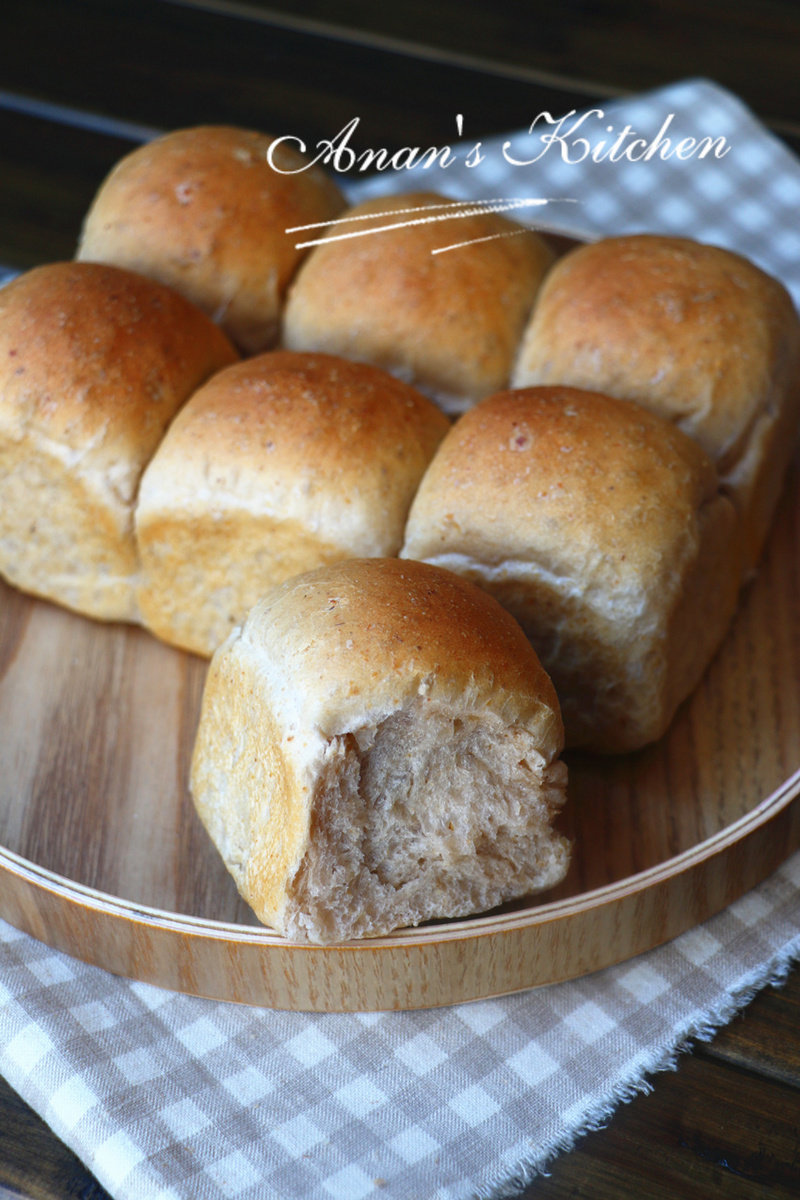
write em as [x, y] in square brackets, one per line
[168, 1097]
[748, 199]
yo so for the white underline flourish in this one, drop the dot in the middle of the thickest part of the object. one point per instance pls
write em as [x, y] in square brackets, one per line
[454, 209]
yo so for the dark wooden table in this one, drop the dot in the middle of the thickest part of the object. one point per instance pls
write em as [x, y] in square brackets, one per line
[82, 80]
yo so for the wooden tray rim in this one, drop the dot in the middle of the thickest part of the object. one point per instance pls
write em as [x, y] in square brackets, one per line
[73, 892]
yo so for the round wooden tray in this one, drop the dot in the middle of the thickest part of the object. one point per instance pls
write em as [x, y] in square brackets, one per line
[105, 859]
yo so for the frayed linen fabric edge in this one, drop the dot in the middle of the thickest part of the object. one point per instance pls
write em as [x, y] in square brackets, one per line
[700, 1028]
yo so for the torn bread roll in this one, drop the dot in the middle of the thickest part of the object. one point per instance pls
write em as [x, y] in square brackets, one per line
[203, 210]
[694, 332]
[379, 746]
[94, 363]
[434, 290]
[601, 527]
[277, 465]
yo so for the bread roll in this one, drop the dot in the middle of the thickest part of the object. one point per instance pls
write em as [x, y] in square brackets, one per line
[694, 332]
[600, 526]
[202, 210]
[378, 746]
[448, 322]
[279, 464]
[94, 362]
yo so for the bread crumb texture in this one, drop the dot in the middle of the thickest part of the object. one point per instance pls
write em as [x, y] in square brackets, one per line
[379, 746]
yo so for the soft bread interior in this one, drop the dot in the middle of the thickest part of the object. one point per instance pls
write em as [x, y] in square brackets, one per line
[427, 812]
[379, 746]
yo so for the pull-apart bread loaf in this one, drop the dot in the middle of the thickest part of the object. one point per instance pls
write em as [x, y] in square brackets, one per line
[696, 333]
[278, 464]
[600, 526]
[94, 363]
[389, 291]
[378, 746]
[203, 210]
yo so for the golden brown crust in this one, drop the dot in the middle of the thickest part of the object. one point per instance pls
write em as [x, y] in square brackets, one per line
[202, 210]
[591, 471]
[279, 464]
[593, 520]
[366, 632]
[450, 322]
[94, 363]
[696, 333]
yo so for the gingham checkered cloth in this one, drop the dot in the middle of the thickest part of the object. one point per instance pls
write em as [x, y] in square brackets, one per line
[168, 1097]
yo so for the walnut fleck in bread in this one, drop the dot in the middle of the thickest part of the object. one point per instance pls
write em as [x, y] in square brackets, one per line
[696, 333]
[279, 464]
[600, 526]
[448, 322]
[94, 363]
[202, 210]
[379, 746]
